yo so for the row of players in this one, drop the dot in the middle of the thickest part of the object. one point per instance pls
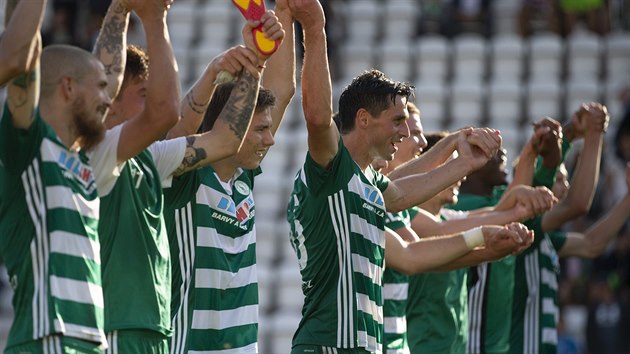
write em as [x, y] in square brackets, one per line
[116, 240]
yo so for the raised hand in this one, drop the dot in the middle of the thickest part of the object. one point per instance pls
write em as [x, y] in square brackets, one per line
[272, 29]
[148, 9]
[309, 13]
[234, 60]
[478, 145]
[537, 200]
[547, 141]
[509, 239]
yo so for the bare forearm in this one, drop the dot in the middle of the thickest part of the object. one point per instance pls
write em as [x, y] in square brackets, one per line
[111, 45]
[608, 227]
[587, 173]
[413, 190]
[524, 170]
[316, 84]
[17, 44]
[280, 71]
[163, 90]
[460, 225]
[227, 134]
[427, 161]
[424, 255]
[470, 259]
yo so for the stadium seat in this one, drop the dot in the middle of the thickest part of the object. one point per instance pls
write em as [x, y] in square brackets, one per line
[618, 55]
[219, 23]
[432, 58]
[545, 53]
[543, 99]
[431, 97]
[581, 91]
[469, 58]
[356, 57]
[400, 21]
[362, 19]
[505, 103]
[395, 60]
[506, 58]
[584, 54]
[467, 100]
[283, 327]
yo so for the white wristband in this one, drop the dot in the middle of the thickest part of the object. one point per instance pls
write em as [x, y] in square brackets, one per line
[474, 237]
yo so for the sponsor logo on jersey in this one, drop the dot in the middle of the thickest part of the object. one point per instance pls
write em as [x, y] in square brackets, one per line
[78, 169]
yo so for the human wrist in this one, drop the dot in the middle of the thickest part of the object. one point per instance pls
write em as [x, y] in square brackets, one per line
[474, 237]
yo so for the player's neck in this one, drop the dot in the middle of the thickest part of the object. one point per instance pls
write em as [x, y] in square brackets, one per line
[225, 168]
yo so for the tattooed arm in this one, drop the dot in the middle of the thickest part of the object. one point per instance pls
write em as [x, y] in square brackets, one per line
[195, 103]
[228, 131]
[233, 61]
[111, 45]
[18, 45]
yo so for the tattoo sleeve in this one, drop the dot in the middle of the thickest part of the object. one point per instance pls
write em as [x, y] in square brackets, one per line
[239, 108]
[21, 86]
[111, 42]
[192, 157]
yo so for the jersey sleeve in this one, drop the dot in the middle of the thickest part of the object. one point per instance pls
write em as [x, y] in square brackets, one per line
[182, 190]
[104, 161]
[380, 180]
[397, 221]
[547, 176]
[319, 179]
[19, 146]
[558, 239]
[168, 156]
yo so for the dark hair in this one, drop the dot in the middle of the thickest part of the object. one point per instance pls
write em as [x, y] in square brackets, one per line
[433, 138]
[137, 66]
[220, 97]
[372, 91]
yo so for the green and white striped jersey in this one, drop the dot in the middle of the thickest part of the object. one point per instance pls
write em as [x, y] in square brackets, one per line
[48, 235]
[395, 285]
[213, 250]
[535, 307]
[337, 230]
[437, 308]
[134, 241]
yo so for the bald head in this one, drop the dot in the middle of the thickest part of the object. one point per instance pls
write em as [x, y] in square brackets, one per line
[59, 61]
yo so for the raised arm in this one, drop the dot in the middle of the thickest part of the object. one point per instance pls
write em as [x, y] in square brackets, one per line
[323, 136]
[21, 47]
[23, 21]
[194, 105]
[226, 135]
[475, 149]
[593, 242]
[580, 196]
[279, 76]
[111, 44]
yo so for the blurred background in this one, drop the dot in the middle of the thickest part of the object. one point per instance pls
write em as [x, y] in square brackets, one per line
[497, 63]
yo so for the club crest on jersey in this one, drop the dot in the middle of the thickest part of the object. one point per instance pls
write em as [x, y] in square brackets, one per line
[241, 187]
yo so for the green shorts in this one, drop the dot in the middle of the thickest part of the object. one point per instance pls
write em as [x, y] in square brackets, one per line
[318, 349]
[136, 341]
[56, 344]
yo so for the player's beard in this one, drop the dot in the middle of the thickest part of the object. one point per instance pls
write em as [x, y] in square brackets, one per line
[89, 127]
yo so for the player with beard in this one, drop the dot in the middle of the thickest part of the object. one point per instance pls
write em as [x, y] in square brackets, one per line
[132, 231]
[49, 206]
